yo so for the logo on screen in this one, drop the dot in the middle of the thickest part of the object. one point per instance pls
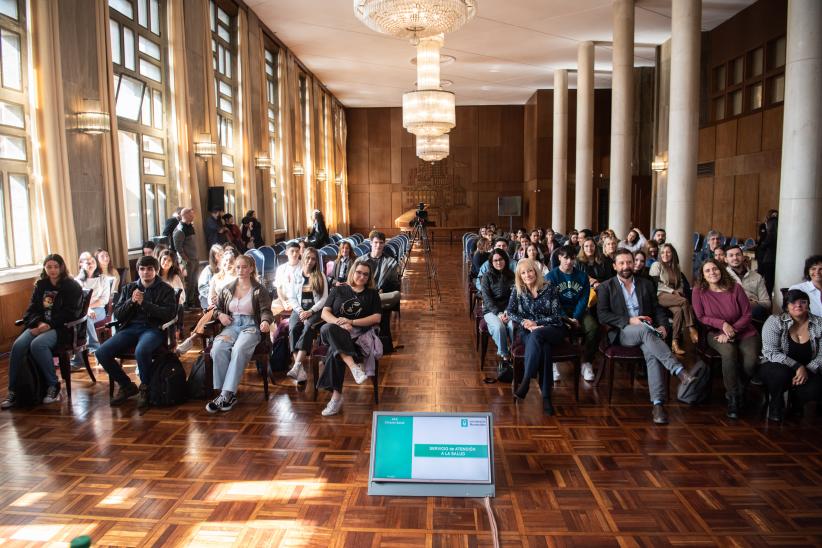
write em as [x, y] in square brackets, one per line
[464, 423]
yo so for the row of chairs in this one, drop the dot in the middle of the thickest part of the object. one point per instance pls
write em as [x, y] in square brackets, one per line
[700, 242]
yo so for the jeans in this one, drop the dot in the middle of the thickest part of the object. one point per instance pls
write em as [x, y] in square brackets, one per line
[744, 353]
[40, 347]
[232, 350]
[657, 355]
[590, 341]
[502, 333]
[143, 338]
[538, 358]
[778, 377]
[301, 332]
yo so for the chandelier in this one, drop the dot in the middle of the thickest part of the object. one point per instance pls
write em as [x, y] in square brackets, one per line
[428, 112]
[428, 62]
[414, 19]
[433, 149]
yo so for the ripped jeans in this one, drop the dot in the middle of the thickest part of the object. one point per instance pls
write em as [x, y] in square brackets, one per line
[231, 351]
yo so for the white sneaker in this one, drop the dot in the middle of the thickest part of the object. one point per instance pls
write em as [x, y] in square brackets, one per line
[588, 372]
[298, 372]
[52, 394]
[358, 373]
[333, 407]
[556, 373]
[184, 346]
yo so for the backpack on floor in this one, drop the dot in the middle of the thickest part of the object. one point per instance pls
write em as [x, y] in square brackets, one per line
[30, 384]
[196, 383]
[280, 358]
[168, 382]
[699, 389]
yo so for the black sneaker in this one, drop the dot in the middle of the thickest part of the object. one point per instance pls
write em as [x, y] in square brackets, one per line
[52, 394]
[142, 398]
[10, 401]
[123, 394]
[221, 403]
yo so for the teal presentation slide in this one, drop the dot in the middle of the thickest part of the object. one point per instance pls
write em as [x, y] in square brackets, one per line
[433, 449]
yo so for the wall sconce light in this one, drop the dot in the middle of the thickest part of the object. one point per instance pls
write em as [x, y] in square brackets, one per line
[321, 176]
[338, 180]
[205, 147]
[93, 123]
[298, 170]
[659, 164]
[262, 162]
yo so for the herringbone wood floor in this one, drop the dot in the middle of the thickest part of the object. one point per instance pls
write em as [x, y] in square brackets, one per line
[279, 474]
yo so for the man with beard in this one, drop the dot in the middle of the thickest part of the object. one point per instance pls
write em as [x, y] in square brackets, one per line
[629, 306]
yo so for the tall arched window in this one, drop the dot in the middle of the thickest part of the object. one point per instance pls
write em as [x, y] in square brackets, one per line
[139, 58]
[272, 80]
[224, 57]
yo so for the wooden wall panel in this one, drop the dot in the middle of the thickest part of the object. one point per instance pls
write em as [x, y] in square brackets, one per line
[746, 189]
[359, 209]
[707, 144]
[489, 126]
[379, 128]
[14, 299]
[379, 165]
[749, 134]
[726, 139]
[723, 204]
[772, 129]
[768, 192]
[357, 159]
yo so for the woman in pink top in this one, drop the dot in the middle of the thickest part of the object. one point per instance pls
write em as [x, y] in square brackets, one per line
[722, 305]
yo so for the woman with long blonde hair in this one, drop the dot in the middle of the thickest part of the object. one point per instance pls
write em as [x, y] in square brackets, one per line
[307, 295]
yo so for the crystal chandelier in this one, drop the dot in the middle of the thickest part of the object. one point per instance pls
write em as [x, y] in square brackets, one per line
[433, 149]
[428, 62]
[428, 112]
[414, 19]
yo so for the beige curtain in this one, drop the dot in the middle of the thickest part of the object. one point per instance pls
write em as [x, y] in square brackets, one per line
[293, 143]
[317, 148]
[54, 192]
[115, 209]
[247, 191]
[341, 167]
[329, 187]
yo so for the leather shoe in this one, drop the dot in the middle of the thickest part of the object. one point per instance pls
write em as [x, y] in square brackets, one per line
[676, 349]
[142, 398]
[684, 377]
[123, 394]
[547, 407]
[694, 334]
[659, 414]
[733, 407]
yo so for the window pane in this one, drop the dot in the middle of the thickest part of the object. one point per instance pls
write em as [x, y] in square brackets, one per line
[719, 108]
[222, 32]
[223, 16]
[148, 47]
[128, 43]
[153, 144]
[776, 89]
[736, 71]
[154, 167]
[225, 105]
[151, 212]
[155, 17]
[736, 103]
[228, 177]
[12, 148]
[123, 6]
[114, 28]
[756, 62]
[11, 114]
[719, 78]
[776, 53]
[9, 8]
[755, 97]
[130, 167]
[150, 70]
[11, 60]
[269, 57]
[21, 223]
[145, 117]
[161, 202]
[220, 59]
[158, 109]
[227, 63]
[228, 160]
[142, 13]
[4, 252]
[129, 98]
[211, 16]
[225, 88]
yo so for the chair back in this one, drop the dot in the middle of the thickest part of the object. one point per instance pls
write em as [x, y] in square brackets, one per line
[259, 260]
[77, 327]
[270, 257]
[279, 247]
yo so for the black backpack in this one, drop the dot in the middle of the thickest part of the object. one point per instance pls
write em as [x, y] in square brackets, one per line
[168, 382]
[699, 389]
[280, 357]
[196, 383]
[29, 385]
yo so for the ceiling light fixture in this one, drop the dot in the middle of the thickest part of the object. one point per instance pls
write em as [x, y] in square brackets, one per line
[433, 149]
[428, 112]
[414, 19]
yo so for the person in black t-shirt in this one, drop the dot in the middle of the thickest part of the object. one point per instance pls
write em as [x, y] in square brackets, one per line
[350, 312]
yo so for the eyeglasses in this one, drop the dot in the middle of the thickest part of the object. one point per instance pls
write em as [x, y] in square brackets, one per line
[361, 273]
[799, 303]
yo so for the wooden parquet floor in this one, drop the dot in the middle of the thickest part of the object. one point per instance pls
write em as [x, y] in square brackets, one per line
[277, 473]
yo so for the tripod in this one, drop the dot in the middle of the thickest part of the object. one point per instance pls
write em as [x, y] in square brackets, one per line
[421, 235]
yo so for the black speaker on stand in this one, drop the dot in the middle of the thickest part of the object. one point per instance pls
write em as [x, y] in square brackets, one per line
[216, 198]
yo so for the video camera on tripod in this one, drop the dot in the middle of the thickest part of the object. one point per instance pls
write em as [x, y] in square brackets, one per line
[420, 216]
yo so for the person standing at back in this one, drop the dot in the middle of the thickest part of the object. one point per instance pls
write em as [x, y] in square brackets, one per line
[186, 247]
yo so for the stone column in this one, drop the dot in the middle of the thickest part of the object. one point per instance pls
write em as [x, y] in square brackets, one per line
[683, 132]
[800, 191]
[622, 118]
[560, 157]
[583, 201]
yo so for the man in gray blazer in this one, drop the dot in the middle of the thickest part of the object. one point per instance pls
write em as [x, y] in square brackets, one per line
[629, 306]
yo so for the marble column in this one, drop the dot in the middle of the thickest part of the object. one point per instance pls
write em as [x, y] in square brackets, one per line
[560, 156]
[622, 118]
[683, 127]
[583, 201]
[800, 191]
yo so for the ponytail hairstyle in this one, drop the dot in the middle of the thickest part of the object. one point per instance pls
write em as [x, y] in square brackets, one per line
[316, 279]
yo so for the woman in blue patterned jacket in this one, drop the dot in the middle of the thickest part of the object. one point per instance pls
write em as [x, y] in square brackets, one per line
[534, 306]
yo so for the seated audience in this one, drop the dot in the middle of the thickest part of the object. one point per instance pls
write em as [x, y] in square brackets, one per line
[244, 311]
[499, 243]
[350, 313]
[573, 288]
[593, 263]
[721, 304]
[719, 255]
[149, 247]
[535, 308]
[547, 245]
[751, 282]
[766, 248]
[286, 274]
[640, 261]
[90, 277]
[215, 255]
[813, 283]
[142, 308]
[338, 269]
[385, 272]
[532, 252]
[521, 247]
[573, 241]
[673, 294]
[634, 241]
[659, 236]
[318, 236]
[56, 301]
[496, 285]
[653, 252]
[629, 306]
[104, 262]
[170, 272]
[714, 240]
[792, 348]
[609, 247]
[306, 294]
